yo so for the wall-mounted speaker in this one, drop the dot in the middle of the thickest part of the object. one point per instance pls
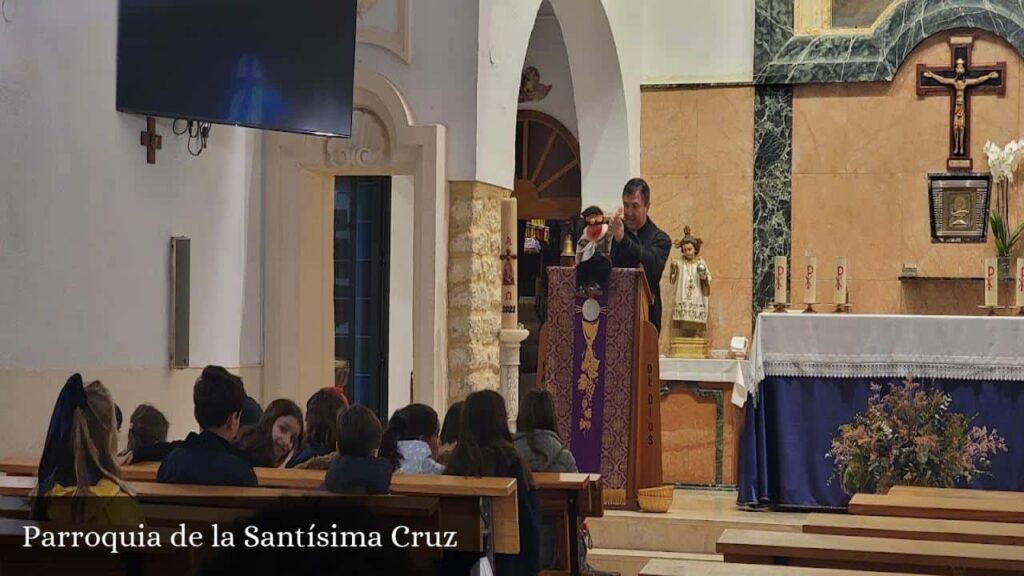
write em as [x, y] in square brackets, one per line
[180, 278]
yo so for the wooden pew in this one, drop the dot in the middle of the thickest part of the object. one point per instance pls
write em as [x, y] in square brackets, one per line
[567, 499]
[664, 567]
[482, 511]
[955, 493]
[1003, 533]
[16, 559]
[985, 510]
[881, 554]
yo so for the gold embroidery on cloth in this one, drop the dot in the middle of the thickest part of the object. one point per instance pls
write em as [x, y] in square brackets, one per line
[587, 384]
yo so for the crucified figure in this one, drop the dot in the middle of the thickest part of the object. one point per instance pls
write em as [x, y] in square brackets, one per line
[960, 84]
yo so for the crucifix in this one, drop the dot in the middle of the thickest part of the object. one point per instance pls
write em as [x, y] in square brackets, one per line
[151, 140]
[960, 80]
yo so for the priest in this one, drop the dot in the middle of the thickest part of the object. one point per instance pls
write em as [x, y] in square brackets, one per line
[638, 242]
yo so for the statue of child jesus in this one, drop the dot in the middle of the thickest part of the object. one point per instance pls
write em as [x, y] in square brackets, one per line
[693, 287]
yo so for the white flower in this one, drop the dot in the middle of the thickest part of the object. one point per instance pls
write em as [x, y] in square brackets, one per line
[1003, 162]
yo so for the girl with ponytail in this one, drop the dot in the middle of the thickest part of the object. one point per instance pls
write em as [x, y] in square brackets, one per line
[79, 479]
[411, 440]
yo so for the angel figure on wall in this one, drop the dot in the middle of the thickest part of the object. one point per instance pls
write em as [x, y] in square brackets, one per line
[692, 282]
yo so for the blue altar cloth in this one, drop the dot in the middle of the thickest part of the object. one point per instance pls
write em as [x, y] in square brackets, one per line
[789, 427]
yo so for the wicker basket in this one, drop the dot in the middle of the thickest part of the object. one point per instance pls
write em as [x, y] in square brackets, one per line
[657, 499]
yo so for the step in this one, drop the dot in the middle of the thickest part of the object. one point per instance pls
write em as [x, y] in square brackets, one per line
[693, 525]
[630, 562]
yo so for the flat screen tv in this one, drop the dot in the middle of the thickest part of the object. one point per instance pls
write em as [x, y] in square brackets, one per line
[258, 63]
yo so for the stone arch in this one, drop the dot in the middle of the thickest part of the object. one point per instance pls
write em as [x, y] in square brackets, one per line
[298, 182]
[607, 115]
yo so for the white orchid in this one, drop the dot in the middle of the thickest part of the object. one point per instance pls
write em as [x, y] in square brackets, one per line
[1002, 162]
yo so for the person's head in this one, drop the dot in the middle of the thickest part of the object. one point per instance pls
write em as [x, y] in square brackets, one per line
[690, 245]
[450, 428]
[359, 432]
[251, 412]
[146, 426]
[218, 396]
[960, 68]
[322, 417]
[485, 443]
[281, 423]
[414, 422]
[593, 216]
[636, 201]
[536, 412]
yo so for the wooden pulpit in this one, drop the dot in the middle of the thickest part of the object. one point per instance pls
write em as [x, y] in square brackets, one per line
[600, 362]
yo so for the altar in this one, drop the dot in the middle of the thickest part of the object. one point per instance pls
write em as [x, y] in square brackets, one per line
[812, 373]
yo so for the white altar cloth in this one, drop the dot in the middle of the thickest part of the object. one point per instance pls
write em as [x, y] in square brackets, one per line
[738, 372]
[887, 346]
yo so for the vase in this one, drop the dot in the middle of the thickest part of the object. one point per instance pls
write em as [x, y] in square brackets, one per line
[1005, 272]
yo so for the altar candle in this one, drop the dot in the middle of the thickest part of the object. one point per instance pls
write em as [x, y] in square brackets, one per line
[810, 280]
[1020, 283]
[781, 275]
[509, 283]
[991, 283]
[839, 294]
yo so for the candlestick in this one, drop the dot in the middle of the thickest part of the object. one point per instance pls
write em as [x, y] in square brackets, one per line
[991, 283]
[1019, 285]
[781, 276]
[839, 293]
[810, 280]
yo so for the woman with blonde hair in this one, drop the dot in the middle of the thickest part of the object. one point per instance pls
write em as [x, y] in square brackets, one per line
[79, 479]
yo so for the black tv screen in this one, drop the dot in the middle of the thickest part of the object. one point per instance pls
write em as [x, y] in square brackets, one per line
[258, 63]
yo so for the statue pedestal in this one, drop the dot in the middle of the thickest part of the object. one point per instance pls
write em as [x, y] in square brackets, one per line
[510, 340]
[687, 347]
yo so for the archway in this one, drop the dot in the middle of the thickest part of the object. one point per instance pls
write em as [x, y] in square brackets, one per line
[299, 287]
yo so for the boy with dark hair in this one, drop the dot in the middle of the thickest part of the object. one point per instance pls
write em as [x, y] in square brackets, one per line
[357, 469]
[209, 457]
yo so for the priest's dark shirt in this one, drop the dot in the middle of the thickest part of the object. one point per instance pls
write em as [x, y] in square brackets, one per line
[648, 247]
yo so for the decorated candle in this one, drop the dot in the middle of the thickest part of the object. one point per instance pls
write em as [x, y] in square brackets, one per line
[509, 285]
[839, 293]
[810, 279]
[781, 274]
[991, 283]
[1019, 284]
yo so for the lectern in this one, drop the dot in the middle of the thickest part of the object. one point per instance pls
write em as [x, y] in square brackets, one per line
[599, 359]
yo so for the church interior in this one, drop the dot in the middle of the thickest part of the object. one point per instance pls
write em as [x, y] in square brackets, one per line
[754, 267]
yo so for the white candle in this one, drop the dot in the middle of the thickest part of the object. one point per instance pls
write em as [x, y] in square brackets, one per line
[839, 294]
[1020, 283]
[991, 282]
[509, 282]
[810, 280]
[781, 274]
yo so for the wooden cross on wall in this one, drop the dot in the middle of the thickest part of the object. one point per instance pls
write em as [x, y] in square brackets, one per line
[151, 141]
[959, 81]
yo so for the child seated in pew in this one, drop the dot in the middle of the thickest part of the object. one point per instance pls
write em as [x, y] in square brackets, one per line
[485, 449]
[411, 440]
[538, 443]
[210, 457]
[157, 451]
[78, 461]
[320, 437]
[357, 469]
[146, 427]
[270, 442]
[449, 432]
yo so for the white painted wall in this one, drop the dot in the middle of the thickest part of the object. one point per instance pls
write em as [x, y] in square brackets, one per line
[546, 52]
[440, 85]
[85, 225]
[400, 333]
[696, 41]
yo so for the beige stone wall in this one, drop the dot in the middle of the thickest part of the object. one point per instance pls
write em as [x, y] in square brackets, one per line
[474, 290]
[861, 155]
[697, 153]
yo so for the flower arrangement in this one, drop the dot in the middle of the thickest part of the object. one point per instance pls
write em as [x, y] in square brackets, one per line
[1003, 162]
[909, 436]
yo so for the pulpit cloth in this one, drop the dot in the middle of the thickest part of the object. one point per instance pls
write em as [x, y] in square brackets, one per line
[812, 373]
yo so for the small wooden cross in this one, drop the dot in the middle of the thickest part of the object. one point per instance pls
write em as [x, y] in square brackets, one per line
[960, 80]
[151, 140]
